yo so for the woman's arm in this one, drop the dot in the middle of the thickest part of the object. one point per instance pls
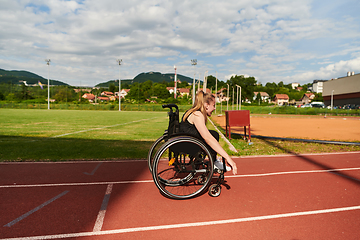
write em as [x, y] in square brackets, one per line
[199, 121]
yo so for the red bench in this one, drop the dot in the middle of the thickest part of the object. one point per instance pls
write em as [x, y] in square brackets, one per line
[237, 118]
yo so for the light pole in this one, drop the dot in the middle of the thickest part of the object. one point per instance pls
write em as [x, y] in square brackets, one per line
[332, 99]
[239, 107]
[194, 63]
[227, 100]
[119, 62]
[215, 89]
[205, 81]
[48, 63]
[175, 80]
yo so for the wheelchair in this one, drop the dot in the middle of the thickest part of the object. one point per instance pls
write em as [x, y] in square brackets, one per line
[182, 165]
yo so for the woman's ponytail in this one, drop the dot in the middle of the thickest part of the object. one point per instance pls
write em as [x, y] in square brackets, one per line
[200, 99]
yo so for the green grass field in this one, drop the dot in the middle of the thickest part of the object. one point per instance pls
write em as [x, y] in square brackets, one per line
[61, 135]
[55, 135]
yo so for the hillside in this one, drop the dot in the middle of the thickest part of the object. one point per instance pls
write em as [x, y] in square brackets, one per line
[16, 73]
[159, 77]
[152, 76]
[16, 77]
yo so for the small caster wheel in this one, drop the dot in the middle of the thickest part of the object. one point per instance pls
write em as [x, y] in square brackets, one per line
[202, 179]
[214, 190]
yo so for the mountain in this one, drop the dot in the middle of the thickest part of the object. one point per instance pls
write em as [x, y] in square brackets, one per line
[106, 84]
[152, 76]
[16, 73]
[159, 77]
[17, 77]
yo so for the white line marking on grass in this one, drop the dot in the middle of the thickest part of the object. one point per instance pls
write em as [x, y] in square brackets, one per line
[151, 181]
[34, 210]
[92, 129]
[101, 215]
[231, 147]
[194, 224]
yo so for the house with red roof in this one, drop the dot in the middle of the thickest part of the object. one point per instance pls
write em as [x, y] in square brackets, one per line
[102, 99]
[307, 98]
[281, 99]
[264, 96]
[107, 94]
[180, 91]
[90, 97]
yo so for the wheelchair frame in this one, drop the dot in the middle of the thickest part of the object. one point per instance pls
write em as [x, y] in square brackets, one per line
[182, 166]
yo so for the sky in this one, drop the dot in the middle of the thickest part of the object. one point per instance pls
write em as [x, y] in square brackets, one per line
[271, 40]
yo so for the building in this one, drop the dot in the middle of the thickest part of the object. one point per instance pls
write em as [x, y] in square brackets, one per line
[307, 98]
[90, 97]
[102, 99]
[295, 85]
[281, 99]
[123, 93]
[113, 98]
[342, 91]
[180, 91]
[264, 96]
[184, 91]
[317, 86]
[107, 94]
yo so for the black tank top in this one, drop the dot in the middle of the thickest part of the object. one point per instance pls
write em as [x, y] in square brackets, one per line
[187, 127]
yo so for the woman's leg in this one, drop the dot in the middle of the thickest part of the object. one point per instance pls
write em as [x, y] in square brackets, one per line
[216, 135]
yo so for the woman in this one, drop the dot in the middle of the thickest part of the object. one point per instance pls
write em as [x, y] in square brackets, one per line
[194, 122]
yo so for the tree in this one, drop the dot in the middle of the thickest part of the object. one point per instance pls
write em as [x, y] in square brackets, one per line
[211, 82]
[112, 87]
[258, 98]
[160, 91]
[247, 86]
[63, 94]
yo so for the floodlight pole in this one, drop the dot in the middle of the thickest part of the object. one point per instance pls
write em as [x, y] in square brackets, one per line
[215, 89]
[194, 63]
[205, 81]
[48, 63]
[119, 62]
[175, 80]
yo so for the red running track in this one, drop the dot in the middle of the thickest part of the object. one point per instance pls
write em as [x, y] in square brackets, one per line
[273, 197]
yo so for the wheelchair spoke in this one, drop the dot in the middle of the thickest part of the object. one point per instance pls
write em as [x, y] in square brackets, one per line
[179, 176]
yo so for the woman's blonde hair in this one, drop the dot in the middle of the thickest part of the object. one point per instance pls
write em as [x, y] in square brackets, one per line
[200, 99]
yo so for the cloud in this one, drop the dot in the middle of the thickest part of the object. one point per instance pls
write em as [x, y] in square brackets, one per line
[273, 40]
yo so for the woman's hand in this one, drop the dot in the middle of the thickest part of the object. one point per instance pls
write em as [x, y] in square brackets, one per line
[233, 165]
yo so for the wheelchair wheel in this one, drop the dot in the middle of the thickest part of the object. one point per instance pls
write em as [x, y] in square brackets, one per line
[151, 154]
[182, 167]
[215, 190]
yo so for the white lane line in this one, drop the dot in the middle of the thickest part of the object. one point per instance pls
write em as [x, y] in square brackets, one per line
[151, 181]
[101, 215]
[92, 129]
[74, 184]
[96, 168]
[187, 225]
[34, 210]
[293, 172]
